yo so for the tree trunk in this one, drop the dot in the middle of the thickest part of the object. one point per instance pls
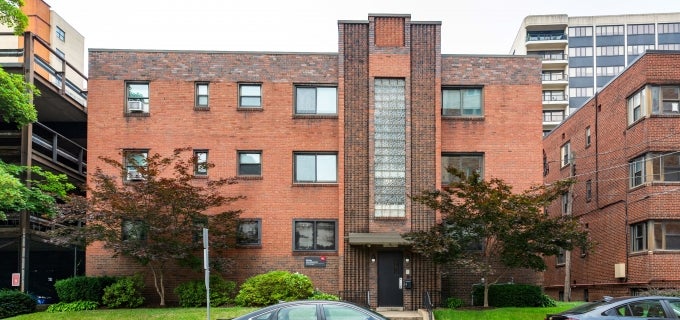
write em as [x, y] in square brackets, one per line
[486, 294]
[158, 283]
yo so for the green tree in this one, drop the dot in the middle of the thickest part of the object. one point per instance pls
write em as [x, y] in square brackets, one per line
[12, 16]
[16, 95]
[490, 230]
[40, 198]
[156, 220]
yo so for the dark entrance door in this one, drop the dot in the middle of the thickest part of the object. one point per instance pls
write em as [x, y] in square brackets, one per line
[390, 283]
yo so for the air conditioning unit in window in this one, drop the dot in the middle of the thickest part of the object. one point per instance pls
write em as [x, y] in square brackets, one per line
[135, 106]
[134, 175]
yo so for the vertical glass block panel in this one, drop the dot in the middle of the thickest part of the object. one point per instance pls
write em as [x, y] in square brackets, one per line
[390, 148]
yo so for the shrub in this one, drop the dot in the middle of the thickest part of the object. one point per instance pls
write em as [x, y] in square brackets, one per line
[73, 306]
[192, 293]
[546, 301]
[124, 293]
[509, 295]
[454, 303]
[272, 287]
[14, 302]
[318, 295]
[82, 288]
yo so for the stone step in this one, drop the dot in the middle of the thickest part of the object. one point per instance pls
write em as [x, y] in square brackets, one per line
[403, 315]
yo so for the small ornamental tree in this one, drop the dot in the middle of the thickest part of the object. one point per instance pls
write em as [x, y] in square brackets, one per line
[490, 230]
[156, 220]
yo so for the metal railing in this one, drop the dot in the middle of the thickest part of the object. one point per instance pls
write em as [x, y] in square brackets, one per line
[549, 55]
[556, 116]
[554, 76]
[58, 148]
[49, 64]
[555, 96]
[546, 36]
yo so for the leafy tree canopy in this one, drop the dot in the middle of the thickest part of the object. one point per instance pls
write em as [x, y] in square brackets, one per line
[490, 230]
[40, 198]
[157, 219]
[12, 16]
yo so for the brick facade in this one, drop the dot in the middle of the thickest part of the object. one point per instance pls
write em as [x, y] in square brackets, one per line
[614, 206]
[383, 47]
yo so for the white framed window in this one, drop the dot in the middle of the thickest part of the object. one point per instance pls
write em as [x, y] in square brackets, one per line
[636, 106]
[316, 100]
[581, 51]
[315, 167]
[581, 72]
[465, 102]
[589, 190]
[580, 31]
[610, 51]
[669, 27]
[608, 71]
[637, 171]
[641, 28]
[137, 97]
[617, 30]
[201, 99]
[639, 49]
[565, 154]
[581, 92]
[666, 100]
[314, 235]
[250, 95]
[135, 164]
[588, 136]
[250, 163]
[465, 162]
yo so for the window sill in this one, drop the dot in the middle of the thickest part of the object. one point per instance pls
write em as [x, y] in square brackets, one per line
[315, 116]
[389, 218]
[249, 246]
[249, 177]
[200, 176]
[201, 108]
[249, 109]
[463, 118]
[312, 184]
[315, 252]
[137, 114]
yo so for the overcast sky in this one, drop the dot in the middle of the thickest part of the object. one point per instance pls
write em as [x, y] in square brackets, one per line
[468, 26]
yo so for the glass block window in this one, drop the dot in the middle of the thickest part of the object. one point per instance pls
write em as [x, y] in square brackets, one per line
[390, 148]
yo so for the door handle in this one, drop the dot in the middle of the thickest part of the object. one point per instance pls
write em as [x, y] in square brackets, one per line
[401, 283]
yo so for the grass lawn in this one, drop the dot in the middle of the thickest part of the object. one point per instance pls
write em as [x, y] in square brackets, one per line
[503, 313]
[226, 313]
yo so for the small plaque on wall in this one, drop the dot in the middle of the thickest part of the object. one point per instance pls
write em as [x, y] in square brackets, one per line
[315, 262]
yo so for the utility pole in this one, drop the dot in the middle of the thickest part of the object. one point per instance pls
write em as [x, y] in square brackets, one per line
[567, 253]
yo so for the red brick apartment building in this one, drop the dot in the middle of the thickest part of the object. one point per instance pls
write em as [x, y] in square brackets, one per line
[624, 143]
[328, 147]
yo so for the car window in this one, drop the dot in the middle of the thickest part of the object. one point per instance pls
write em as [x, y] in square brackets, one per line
[333, 312]
[639, 309]
[675, 305]
[299, 312]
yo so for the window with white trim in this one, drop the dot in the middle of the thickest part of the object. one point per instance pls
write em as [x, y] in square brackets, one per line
[565, 154]
[638, 237]
[319, 100]
[636, 106]
[61, 34]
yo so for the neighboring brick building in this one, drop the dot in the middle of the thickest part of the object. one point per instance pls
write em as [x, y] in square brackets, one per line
[625, 144]
[327, 146]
